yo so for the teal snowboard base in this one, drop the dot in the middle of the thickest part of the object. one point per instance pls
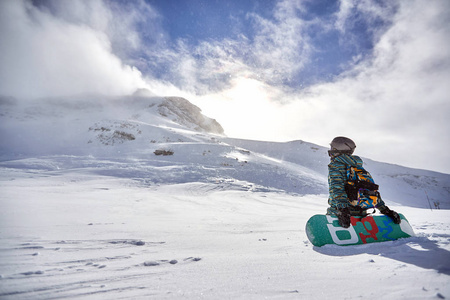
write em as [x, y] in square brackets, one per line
[325, 229]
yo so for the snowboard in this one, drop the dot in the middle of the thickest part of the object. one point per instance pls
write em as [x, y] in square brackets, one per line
[325, 229]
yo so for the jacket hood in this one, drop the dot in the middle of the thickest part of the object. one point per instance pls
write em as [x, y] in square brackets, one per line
[351, 160]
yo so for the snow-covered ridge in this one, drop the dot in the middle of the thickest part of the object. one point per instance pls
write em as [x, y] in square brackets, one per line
[104, 134]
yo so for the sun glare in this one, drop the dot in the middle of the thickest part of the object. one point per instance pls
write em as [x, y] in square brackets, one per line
[245, 110]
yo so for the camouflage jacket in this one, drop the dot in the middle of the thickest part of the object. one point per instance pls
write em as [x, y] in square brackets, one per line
[337, 177]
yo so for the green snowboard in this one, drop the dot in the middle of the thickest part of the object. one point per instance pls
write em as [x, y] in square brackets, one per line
[325, 229]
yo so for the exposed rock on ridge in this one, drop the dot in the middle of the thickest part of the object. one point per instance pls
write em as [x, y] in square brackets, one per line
[187, 114]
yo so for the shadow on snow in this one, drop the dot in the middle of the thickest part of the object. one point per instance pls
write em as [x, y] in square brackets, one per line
[419, 251]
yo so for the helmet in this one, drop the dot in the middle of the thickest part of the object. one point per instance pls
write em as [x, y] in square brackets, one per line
[341, 145]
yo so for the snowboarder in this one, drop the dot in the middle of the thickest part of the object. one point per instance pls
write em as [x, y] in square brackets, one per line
[341, 206]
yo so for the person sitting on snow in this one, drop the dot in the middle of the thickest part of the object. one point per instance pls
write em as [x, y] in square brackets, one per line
[341, 206]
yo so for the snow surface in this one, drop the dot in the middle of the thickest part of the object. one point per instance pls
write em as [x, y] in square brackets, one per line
[88, 211]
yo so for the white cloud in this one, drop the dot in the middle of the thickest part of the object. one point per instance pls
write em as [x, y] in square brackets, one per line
[46, 55]
[280, 45]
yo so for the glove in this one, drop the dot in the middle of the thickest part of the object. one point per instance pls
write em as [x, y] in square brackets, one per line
[392, 214]
[343, 215]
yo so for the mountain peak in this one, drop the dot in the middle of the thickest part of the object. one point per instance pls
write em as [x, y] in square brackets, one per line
[187, 114]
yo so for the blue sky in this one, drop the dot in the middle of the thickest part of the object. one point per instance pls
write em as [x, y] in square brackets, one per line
[374, 70]
[200, 20]
[331, 50]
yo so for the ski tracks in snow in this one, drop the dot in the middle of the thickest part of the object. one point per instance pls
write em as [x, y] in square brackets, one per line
[45, 269]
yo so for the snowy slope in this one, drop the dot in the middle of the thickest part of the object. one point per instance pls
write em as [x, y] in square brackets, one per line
[130, 129]
[398, 184]
[89, 211]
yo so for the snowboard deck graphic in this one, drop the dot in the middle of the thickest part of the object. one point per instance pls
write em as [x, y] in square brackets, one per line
[325, 229]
